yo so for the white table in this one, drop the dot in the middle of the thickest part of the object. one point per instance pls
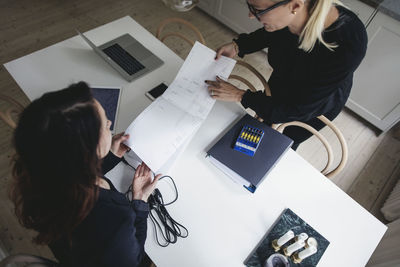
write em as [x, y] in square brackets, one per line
[72, 60]
[225, 221]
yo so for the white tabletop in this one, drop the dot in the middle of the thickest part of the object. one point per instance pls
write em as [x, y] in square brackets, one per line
[72, 60]
[225, 221]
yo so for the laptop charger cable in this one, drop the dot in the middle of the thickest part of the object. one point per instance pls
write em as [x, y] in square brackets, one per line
[165, 227]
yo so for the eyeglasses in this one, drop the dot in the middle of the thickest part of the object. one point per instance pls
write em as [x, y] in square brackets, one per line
[257, 12]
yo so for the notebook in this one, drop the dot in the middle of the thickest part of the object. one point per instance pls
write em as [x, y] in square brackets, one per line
[244, 169]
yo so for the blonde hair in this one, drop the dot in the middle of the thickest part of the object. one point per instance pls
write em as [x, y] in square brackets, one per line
[312, 32]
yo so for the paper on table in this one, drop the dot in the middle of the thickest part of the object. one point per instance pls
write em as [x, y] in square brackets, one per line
[158, 132]
[189, 91]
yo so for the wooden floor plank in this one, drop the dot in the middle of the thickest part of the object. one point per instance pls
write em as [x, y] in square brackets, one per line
[382, 196]
[376, 172]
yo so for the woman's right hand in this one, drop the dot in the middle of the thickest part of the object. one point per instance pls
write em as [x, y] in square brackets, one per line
[142, 184]
[227, 50]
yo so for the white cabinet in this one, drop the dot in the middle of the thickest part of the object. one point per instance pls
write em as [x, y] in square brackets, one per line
[208, 6]
[235, 14]
[376, 90]
[232, 13]
[363, 11]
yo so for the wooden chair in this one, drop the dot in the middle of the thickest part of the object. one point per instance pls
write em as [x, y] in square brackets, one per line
[32, 260]
[179, 21]
[281, 127]
[7, 115]
[161, 36]
[325, 142]
[254, 72]
[27, 260]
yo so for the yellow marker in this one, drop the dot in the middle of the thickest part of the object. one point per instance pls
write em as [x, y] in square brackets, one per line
[242, 135]
[258, 139]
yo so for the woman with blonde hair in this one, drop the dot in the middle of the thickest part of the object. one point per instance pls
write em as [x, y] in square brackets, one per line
[314, 47]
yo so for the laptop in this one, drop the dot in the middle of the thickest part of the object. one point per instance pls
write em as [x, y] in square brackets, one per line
[127, 56]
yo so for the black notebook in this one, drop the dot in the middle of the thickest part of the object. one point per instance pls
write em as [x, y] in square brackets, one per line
[244, 169]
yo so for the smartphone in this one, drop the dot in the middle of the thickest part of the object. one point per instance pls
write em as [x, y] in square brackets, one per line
[156, 91]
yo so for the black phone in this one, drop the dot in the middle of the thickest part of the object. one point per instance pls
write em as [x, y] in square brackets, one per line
[156, 91]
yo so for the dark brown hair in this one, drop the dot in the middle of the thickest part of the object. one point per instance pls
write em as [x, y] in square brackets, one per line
[56, 164]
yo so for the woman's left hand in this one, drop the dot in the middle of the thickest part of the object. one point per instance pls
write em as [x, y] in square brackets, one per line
[117, 146]
[222, 90]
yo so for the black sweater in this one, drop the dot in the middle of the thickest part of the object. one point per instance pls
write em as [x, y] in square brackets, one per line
[113, 234]
[306, 84]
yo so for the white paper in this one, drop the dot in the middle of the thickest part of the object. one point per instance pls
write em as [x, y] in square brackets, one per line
[161, 129]
[121, 176]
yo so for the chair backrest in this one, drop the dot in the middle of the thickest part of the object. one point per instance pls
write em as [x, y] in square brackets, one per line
[281, 127]
[167, 21]
[247, 82]
[28, 260]
[326, 144]
[7, 114]
[255, 72]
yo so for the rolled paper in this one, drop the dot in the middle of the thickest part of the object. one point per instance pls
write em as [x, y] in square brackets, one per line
[295, 246]
[307, 252]
[312, 242]
[285, 238]
[302, 236]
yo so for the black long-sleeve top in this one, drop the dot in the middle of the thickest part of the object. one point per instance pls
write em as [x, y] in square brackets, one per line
[113, 234]
[306, 84]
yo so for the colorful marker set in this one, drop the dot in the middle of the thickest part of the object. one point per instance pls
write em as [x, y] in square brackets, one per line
[248, 140]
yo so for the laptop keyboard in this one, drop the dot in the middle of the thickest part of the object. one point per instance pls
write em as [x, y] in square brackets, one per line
[125, 60]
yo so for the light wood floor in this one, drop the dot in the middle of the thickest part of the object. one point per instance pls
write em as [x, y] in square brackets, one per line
[27, 26]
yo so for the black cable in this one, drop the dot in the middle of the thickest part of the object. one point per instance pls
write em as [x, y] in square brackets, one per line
[176, 191]
[170, 229]
[129, 192]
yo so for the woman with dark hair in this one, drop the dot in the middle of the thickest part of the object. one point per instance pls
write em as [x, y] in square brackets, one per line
[63, 147]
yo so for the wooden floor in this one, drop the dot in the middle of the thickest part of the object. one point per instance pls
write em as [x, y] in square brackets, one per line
[27, 26]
